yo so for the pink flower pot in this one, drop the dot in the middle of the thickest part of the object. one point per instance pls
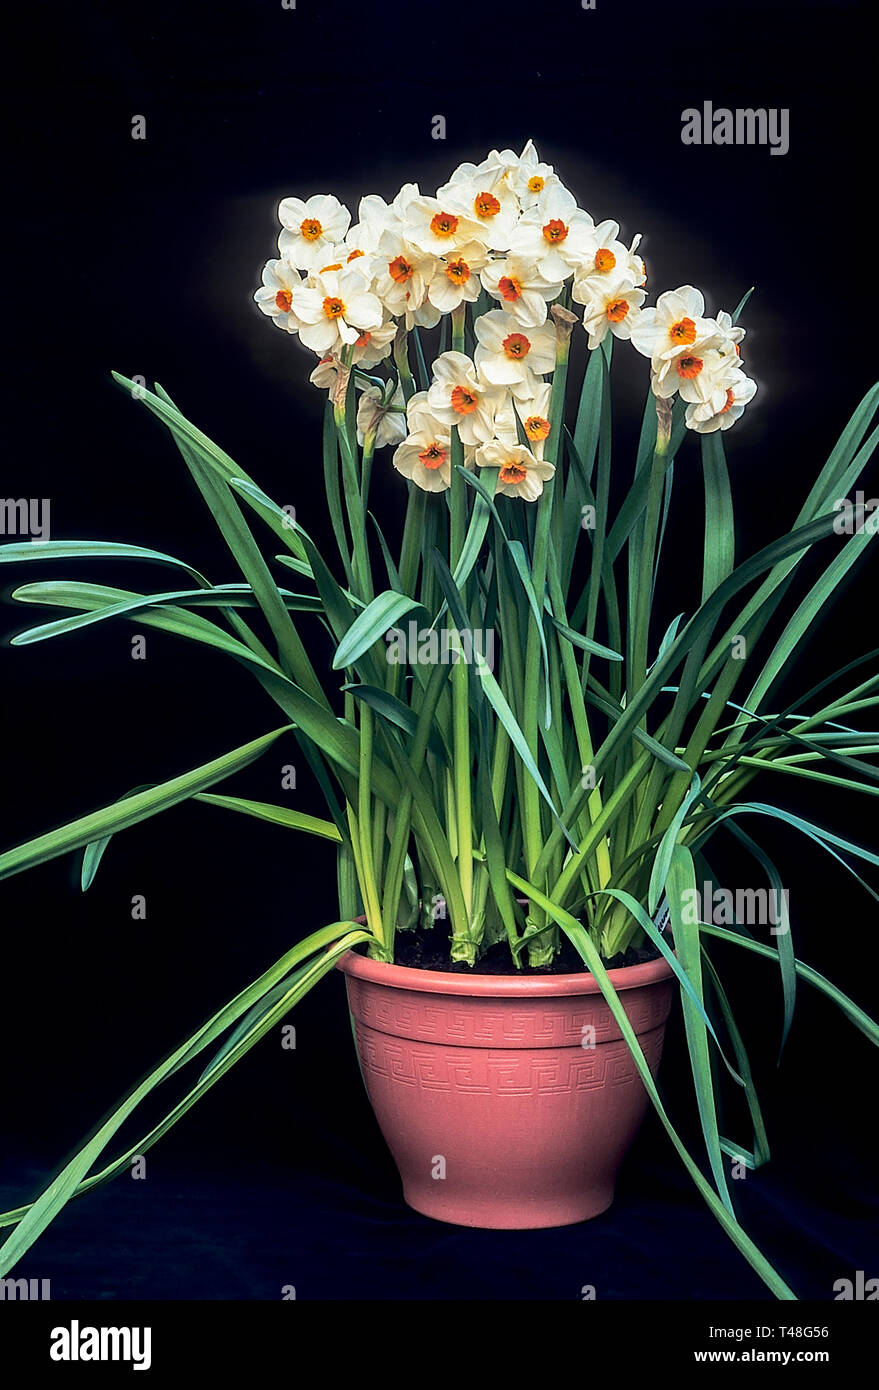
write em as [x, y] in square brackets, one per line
[506, 1101]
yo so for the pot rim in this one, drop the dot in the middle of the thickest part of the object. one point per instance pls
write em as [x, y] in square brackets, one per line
[499, 986]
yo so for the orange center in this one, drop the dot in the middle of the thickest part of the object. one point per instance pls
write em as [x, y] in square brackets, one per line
[486, 205]
[536, 427]
[337, 266]
[463, 401]
[535, 184]
[363, 339]
[689, 367]
[617, 310]
[684, 331]
[516, 346]
[510, 287]
[333, 307]
[400, 269]
[354, 254]
[604, 259]
[555, 231]
[433, 456]
[284, 300]
[311, 229]
[458, 272]
[512, 473]
[730, 401]
[444, 224]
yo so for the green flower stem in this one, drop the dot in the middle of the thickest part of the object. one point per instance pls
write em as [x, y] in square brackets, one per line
[609, 813]
[346, 430]
[644, 565]
[463, 777]
[364, 828]
[580, 719]
[403, 815]
[366, 471]
[543, 951]
[458, 490]
[413, 530]
[401, 362]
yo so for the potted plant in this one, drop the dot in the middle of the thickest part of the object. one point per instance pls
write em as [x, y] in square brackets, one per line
[521, 773]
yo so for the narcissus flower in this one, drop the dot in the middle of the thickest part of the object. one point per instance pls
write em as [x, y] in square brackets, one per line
[460, 395]
[506, 225]
[425, 455]
[403, 274]
[373, 345]
[726, 403]
[533, 413]
[676, 327]
[455, 278]
[342, 256]
[335, 310]
[696, 374]
[310, 225]
[521, 289]
[520, 474]
[507, 356]
[275, 295]
[556, 234]
[612, 259]
[530, 178]
[611, 305]
[433, 226]
[484, 196]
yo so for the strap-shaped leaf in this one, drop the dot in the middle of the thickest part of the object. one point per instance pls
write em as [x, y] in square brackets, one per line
[371, 625]
[589, 954]
[135, 808]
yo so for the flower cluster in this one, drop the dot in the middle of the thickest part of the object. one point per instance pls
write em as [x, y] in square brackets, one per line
[504, 233]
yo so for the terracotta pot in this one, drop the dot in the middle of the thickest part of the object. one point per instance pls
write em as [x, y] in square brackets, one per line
[506, 1101]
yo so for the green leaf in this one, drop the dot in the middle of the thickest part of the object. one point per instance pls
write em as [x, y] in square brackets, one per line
[392, 709]
[278, 815]
[720, 532]
[782, 931]
[479, 520]
[586, 948]
[853, 1013]
[32, 1219]
[661, 944]
[94, 853]
[120, 603]
[496, 698]
[760, 1154]
[682, 882]
[516, 552]
[584, 643]
[662, 861]
[90, 550]
[134, 808]
[741, 304]
[371, 625]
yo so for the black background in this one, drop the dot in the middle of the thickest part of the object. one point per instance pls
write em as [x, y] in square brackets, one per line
[142, 256]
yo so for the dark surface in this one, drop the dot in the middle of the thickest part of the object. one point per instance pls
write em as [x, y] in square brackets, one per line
[143, 257]
[427, 948]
